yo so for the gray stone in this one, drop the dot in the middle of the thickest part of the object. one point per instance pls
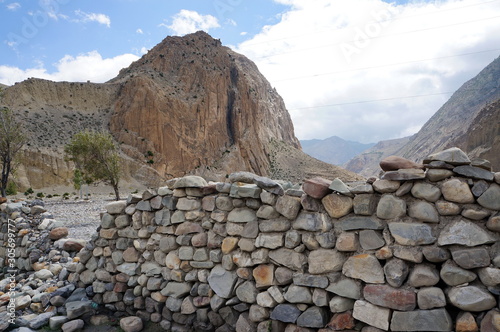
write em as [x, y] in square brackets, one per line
[274, 225]
[289, 258]
[176, 289]
[222, 281]
[365, 267]
[471, 298]
[43, 274]
[423, 275]
[371, 240]
[325, 260]
[426, 191]
[390, 207]
[445, 208]
[493, 223]
[239, 189]
[340, 187]
[404, 175]
[247, 292]
[298, 294]
[479, 188]
[267, 212]
[358, 222]
[313, 317]
[40, 320]
[455, 190]
[188, 204]
[436, 254]
[56, 322]
[320, 297]
[371, 314]
[346, 288]
[131, 324]
[269, 185]
[464, 233]
[363, 188]
[365, 204]
[190, 181]
[242, 215]
[386, 186]
[452, 156]
[143, 206]
[396, 271]
[326, 240]
[287, 313]
[430, 298]
[436, 175]
[411, 234]
[73, 325]
[422, 320]
[471, 258]
[269, 240]
[474, 172]
[288, 206]
[308, 280]
[76, 309]
[475, 213]
[245, 324]
[312, 221]
[404, 189]
[423, 211]
[489, 276]
[117, 207]
[411, 254]
[490, 199]
[340, 304]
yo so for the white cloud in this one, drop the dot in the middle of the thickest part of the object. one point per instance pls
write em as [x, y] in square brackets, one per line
[13, 6]
[89, 66]
[343, 52]
[139, 31]
[188, 21]
[93, 17]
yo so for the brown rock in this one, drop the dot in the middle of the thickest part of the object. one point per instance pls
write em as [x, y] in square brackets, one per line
[131, 324]
[389, 297]
[317, 187]
[58, 233]
[466, 323]
[131, 255]
[3, 200]
[337, 206]
[342, 321]
[229, 244]
[71, 245]
[393, 163]
[263, 275]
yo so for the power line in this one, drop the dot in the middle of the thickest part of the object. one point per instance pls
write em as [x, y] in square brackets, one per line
[371, 101]
[381, 21]
[377, 37]
[386, 65]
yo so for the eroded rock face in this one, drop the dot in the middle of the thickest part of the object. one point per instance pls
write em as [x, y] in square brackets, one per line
[213, 98]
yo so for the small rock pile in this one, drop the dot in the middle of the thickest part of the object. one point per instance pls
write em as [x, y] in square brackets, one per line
[35, 282]
[417, 250]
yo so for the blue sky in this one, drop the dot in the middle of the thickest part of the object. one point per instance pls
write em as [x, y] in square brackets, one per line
[364, 70]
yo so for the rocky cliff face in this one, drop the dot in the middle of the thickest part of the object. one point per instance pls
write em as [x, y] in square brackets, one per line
[465, 120]
[189, 106]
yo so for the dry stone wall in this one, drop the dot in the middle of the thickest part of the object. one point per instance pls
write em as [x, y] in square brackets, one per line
[413, 251]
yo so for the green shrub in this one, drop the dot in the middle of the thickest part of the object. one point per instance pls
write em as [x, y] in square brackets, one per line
[11, 188]
[40, 195]
[28, 191]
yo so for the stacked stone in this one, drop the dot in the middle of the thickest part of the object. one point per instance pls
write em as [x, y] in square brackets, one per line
[413, 251]
[43, 254]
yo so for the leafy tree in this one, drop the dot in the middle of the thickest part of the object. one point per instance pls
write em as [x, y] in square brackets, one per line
[96, 157]
[11, 141]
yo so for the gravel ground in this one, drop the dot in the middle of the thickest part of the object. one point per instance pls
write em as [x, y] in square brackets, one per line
[82, 217]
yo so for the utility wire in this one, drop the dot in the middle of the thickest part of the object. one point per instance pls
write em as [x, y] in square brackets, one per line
[386, 65]
[381, 21]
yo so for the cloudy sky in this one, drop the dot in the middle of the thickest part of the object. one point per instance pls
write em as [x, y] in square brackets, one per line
[364, 70]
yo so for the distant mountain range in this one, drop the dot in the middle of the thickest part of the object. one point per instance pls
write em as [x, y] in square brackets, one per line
[333, 150]
[470, 120]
